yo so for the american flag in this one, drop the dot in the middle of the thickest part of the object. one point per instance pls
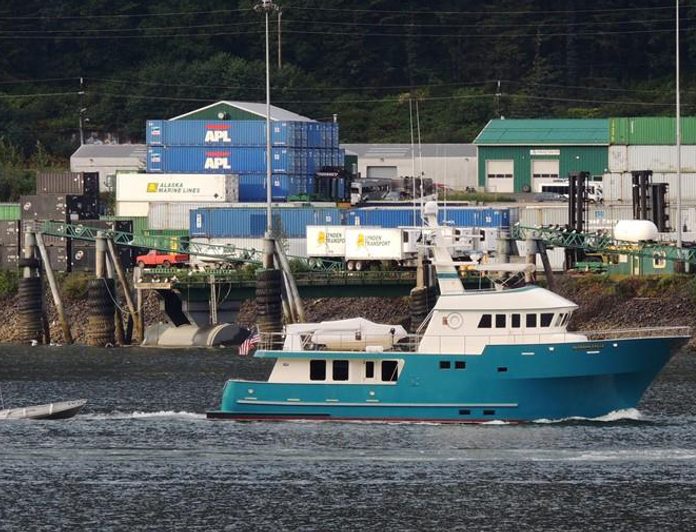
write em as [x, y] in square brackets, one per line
[249, 344]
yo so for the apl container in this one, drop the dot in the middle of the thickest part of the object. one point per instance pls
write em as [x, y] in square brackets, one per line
[221, 133]
[251, 222]
[238, 160]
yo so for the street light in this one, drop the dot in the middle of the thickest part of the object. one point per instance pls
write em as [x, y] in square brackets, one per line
[266, 7]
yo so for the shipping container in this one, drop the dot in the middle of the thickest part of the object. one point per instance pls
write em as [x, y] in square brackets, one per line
[252, 187]
[651, 130]
[83, 257]
[10, 211]
[176, 215]
[10, 232]
[598, 216]
[133, 187]
[251, 222]
[456, 216]
[59, 207]
[9, 256]
[77, 183]
[618, 186]
[138, 223]
[238, 160]
[220, 133]
[132, 209]
[326, 241]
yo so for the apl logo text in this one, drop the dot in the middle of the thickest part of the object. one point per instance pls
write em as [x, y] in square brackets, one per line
[217, 160]
[217, 133]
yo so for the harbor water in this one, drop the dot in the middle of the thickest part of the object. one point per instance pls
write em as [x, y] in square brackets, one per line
[141, 455]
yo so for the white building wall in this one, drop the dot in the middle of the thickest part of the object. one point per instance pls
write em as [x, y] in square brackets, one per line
[106, 167]
[454, 172]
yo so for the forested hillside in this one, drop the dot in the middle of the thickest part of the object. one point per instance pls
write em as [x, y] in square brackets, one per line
[359, 59]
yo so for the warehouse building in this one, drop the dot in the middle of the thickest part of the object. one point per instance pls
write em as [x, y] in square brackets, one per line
[107, 159]
[233, 110]
[523, 155]
[452, 165]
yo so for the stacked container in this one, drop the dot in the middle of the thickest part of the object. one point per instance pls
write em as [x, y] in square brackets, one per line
[299, 150]
[391, 217]
[9, 235]
[244, 227]
[66, 197]
[83, 252]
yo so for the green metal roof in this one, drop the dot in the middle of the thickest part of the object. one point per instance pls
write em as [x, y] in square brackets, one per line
[549, 132]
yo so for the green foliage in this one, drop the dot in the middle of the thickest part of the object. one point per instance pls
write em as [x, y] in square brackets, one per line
[354, 59]
[484, 197]
[74, 286]
[9, 282]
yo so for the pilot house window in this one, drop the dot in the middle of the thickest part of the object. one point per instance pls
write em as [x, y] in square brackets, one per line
[531, 320]
[546, 319]
[515, 319]
[485, 322]
[317, 370]
[340, 370]
[500, 321]
[390, 370]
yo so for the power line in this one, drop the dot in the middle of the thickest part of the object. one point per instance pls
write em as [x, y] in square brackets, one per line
[119, 15]
[469, 12]
[335, 33]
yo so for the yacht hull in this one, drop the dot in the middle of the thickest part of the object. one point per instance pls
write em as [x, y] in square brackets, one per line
[514, 383]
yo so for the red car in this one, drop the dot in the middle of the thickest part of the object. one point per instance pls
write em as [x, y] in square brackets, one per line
[161, 258]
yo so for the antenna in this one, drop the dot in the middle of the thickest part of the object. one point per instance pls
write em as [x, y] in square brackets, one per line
[497, 101]
[83, 109]
[413, 160]
[420, 158]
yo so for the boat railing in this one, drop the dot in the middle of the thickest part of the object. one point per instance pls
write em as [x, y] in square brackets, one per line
[344, 340]
[642, 332]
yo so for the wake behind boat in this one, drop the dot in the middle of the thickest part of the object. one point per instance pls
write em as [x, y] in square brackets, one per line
[500, 354]
[59, 410]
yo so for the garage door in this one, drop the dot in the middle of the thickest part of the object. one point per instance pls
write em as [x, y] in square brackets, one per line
[500, 176]
[382, 171]
[543, 171]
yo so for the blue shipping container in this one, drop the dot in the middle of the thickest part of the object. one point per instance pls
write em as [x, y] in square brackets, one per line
[238, 160]
[458, 216]
[252, 187]
[236, 222]
[225, 133]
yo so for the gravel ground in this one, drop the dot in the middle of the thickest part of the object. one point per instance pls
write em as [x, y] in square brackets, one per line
[603, 303]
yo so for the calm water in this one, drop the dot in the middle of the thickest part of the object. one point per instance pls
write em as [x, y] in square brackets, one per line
[142, 456]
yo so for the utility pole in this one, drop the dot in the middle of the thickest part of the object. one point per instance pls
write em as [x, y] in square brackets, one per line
[81, 92]
[280, 42]
[678, 142]
[266, 7]
[497, 101]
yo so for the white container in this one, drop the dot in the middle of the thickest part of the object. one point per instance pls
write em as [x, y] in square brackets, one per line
[377, 244]
[175, 215]
[661, 158]
[635, 231]
[326, 241]
[132, 208]
[177, 187]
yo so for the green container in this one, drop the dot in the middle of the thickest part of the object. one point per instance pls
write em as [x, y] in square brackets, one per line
[139, 222]
[10, 211]
[649, 130]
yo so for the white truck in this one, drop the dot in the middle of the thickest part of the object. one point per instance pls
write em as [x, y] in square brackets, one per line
[361, 246]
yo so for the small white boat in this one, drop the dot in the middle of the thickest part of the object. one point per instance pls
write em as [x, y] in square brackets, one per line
[60, 410]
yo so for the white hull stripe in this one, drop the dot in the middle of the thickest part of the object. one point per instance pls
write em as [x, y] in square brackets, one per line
[409, 405]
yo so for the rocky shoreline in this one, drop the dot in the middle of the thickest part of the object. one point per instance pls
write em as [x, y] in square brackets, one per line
[604, 303]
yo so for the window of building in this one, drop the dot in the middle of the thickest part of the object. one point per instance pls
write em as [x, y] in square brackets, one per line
[546, 319]
[515, 321]
[317, 370]
[340, 370]
[369, 369]
[531, 320]
[500, 321]
[485, 322]
[390, 370]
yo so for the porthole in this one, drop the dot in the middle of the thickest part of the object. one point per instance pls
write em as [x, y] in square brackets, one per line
[454, 320]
